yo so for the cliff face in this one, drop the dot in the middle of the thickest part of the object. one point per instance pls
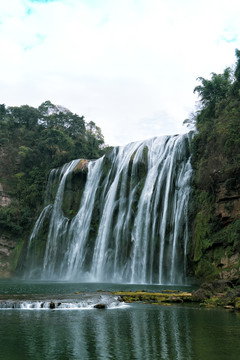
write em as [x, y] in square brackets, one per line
[216, 234]
[6, 252]
[9, 247]
[5, 200]
[7, 239]
[215, 246]
[228, 199]
[226, 259]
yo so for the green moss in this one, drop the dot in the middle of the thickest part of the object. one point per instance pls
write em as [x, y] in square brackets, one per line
[133, 156]
[156, 298]
[15, 255]
[229, 235]
[201, 234]
[204, 269]
[145, 154]
[237, 303]
[74, 190]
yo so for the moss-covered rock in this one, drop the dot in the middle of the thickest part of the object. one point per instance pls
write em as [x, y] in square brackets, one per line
[154, 298]
[237, 303]
[74, 189]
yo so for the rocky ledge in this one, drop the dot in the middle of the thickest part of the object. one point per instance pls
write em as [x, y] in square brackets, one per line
[6, 248]
[165, 297]
[216, 293]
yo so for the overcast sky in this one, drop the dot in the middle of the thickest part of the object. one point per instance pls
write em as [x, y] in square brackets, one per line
[128, 65]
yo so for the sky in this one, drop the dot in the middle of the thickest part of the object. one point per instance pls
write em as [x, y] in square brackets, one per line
[128, 65]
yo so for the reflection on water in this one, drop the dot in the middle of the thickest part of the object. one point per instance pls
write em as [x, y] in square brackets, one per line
[16, 286]
[138, 332]
[135, 332]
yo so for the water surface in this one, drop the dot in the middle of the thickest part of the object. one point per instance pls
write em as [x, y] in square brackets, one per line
[16, 286]
[137, 331]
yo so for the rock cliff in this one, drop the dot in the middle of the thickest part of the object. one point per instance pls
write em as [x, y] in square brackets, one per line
[9, 251]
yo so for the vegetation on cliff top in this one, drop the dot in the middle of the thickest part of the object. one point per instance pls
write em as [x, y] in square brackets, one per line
[216, 163]
[33, 141]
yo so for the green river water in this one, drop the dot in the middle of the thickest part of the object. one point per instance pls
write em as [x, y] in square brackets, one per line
[135, 331]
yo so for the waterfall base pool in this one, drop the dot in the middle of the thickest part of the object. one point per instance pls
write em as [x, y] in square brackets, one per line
[136, 331]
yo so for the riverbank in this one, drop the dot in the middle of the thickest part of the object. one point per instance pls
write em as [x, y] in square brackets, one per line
[216, 293]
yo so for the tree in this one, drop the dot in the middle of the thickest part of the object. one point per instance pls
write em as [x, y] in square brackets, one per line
[2, 110]
[214, 90]
[236, 84]
[32, 142]
[24, 116]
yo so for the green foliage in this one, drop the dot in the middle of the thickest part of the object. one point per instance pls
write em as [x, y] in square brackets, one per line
[33, 141]
[13, 218]
[204, 269]
[215, 160]
[236, 84]
[200, 235]
[213, 91]
[16, 254]
[216, 146]
[229, 235]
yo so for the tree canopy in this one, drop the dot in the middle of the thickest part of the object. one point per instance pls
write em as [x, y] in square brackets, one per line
[33, 141]
[214, 90]
[220, 86]
[217, 121]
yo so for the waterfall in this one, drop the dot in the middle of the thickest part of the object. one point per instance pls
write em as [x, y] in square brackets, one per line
[121, 218]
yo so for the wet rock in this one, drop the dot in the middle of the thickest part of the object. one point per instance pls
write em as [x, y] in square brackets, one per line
[52, 305]
[221, 285]
[229, 297]
[237, 303]
[217, 286]
[176, 300]
[201, 294]
[229, 307]
[232, 274]
[208, 287]
[100, 306]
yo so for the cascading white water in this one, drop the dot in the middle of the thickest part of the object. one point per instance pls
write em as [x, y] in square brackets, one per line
[132, 222]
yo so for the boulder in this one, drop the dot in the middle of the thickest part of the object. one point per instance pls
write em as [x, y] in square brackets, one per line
[100, 306]
[220, 285]
[201, 294]
[52, 305]
[237, 303]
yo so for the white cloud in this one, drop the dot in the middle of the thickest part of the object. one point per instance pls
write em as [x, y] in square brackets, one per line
[130, 66]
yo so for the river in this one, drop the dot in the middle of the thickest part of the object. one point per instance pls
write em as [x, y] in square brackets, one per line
[77, 330]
